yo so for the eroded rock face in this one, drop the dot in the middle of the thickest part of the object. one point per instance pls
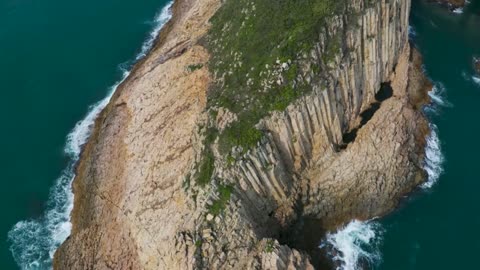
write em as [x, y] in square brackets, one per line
[136, 208]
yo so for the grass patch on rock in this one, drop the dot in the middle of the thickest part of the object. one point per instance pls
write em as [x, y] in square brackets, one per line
[255, 46]
[224, 194]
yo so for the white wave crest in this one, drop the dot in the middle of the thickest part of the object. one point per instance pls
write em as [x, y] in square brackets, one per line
[471, 78]
[438, 96]
[433, 163]
[476, 80]
[34, 242]
[411, 32]
[355, 246]
[458, 10]
[159, 22]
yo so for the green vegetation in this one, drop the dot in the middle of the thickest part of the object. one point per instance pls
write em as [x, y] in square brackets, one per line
[258, 50]
[206, 168]
[186, 182]
[207, 164]
[270, 245]
[242, 133]
[225, 191]
[194, 67]
[198, 243]
[256, 46]
[333, 48]
[230, 160]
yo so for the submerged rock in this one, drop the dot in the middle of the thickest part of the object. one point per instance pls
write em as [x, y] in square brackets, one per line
[476, 65]
[452, 4]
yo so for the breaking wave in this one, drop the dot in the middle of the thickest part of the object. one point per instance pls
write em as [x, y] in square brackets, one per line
[438, 96]
[433, 163]
[33, 242]
[411, 32]
[433, 158]
[159, 21]
[355, 246]
[476, 80]
[458, 10]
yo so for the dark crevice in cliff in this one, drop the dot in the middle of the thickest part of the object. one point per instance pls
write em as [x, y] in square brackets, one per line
[383, 94]
[305, 235]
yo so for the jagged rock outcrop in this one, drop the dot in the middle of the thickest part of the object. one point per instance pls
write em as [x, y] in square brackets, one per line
[349, 149]
[452, 4]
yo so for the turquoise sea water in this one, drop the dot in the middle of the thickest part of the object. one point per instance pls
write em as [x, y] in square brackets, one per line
[56, 59]
[440, 228]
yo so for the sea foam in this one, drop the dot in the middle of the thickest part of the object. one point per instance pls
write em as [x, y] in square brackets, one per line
[433, 158]
[476, 80]
[355, 246]
[411, 32]
[438, 98]
[433, 163]
[458, 10]
[33, 242]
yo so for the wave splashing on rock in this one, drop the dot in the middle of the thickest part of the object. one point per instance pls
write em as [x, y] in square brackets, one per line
[433, 158]
[34, 242]
[433, 163]
[476, 80]
[355, 246]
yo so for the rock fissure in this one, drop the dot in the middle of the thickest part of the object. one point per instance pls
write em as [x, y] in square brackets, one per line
[383, 94]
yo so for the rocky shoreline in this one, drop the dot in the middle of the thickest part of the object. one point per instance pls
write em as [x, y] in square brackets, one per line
[351, 148]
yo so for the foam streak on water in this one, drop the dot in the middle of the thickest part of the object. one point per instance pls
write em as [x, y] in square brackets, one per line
[355, 246]
[411, 32]
[476, 80]
[159, 21]
[33, 242]
[433, 158]
[458, 10]
[433, 163]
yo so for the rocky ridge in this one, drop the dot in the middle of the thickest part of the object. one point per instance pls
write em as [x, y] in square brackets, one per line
[351, 148]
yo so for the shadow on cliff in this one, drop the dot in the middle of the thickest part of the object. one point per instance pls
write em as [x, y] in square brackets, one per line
[385, 93]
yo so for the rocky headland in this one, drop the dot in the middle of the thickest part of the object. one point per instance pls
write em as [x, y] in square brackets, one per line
[215, 154]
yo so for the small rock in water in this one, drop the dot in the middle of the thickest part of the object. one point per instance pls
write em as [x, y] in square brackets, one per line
[476, 65]
[453, 4]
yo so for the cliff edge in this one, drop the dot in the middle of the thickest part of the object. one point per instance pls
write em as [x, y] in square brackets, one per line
[215, 154]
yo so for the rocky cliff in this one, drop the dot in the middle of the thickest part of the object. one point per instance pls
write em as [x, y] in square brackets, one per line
[186, 169]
